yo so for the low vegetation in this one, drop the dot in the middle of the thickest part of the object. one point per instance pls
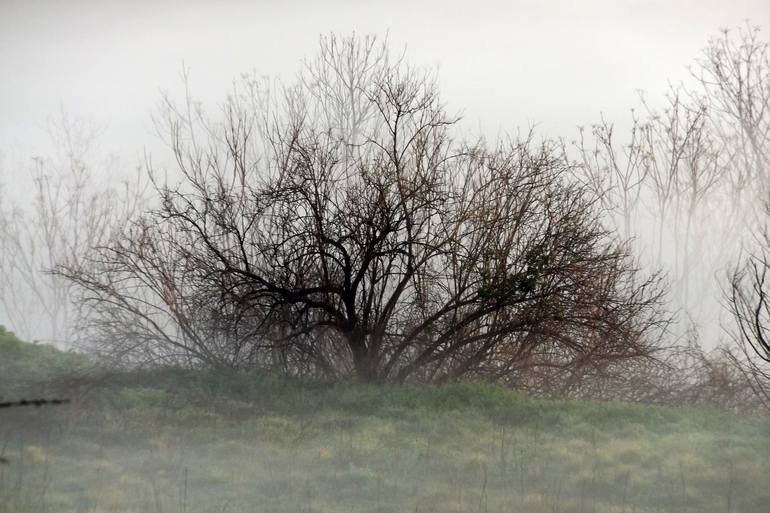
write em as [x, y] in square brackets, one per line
[34, 368]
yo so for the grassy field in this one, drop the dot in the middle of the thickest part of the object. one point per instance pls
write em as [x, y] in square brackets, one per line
[183, 441]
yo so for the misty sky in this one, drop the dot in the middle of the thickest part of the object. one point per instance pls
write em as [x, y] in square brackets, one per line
[502, 64]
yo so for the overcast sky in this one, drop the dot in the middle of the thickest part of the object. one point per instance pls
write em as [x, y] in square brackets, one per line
[503, 64]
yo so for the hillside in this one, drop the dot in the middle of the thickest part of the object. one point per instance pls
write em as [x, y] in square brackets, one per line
[33, 368]
[197, 441]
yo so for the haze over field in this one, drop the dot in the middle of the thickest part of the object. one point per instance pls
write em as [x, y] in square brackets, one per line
[384, 256]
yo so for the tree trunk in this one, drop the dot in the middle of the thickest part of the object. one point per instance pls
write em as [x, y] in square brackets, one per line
[364, 361]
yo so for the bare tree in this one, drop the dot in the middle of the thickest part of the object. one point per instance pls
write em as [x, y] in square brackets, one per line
[734, 73]
[338, 80]
[65, 215]
[339, 228]
[614, 171]
[748, 300]
[751, 305]
[699, 162]
[670, 160]
[734, 79]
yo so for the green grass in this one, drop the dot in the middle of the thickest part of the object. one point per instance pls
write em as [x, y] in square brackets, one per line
[30, 368]
[199, 441]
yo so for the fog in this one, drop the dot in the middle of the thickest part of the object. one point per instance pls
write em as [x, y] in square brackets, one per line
[504, 64]
[384, 256]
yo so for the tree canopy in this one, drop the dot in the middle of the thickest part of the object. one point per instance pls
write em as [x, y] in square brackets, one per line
[340, 226]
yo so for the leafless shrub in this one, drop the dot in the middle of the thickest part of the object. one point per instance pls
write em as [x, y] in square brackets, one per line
[682, 375]
[336, 227]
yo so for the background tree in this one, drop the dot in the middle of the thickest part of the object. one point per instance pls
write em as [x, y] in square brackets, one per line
[734, 75]
[66, 215]
[695, 168]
